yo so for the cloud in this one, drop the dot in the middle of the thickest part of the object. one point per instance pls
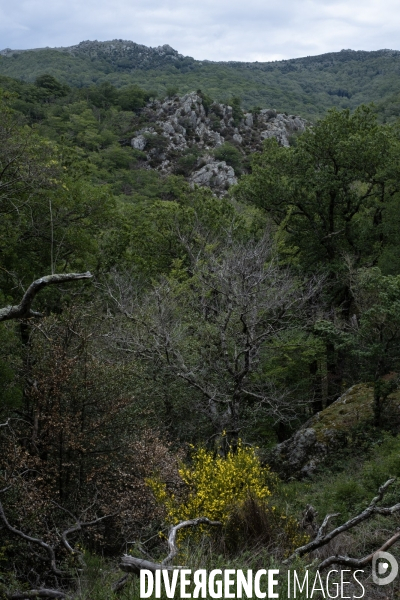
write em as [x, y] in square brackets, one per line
[223, 30]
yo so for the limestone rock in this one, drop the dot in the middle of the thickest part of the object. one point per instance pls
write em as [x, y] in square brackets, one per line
[214, 175]
[139, 142]
[248, 120]
[187, 126]
[281, 126]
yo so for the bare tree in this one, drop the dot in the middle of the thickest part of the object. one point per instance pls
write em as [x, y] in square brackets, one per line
[213, 329]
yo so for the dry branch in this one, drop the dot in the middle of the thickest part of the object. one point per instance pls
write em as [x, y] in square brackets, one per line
[43, 593]
[48, 593]
[322, 539]
[78, 527]
[354, 562]
[173, 549]
[23, 310]
[120, 584]
[134, 565]
[28, 538]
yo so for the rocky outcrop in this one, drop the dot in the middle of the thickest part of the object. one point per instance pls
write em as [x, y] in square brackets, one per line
[121, 55]
[280, 126]
[215, 175]
[189, 127]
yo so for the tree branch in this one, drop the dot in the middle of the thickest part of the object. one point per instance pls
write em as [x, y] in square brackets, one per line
[23, 310]
[50, 550]
[173, 549]
[321, 538]
[43, 593]
[354, 562]
[134, 565]
[28, 538]
[78, 527]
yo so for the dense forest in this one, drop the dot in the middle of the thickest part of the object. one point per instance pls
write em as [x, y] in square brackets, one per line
[307, 86]
[171, 354]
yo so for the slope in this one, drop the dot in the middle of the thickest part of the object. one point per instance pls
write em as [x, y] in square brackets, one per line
[306, 86]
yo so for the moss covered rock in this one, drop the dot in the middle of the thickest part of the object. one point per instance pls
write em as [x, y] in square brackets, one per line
[330, 430]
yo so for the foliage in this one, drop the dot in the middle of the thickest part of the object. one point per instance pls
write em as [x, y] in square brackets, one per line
[230, 154]
[332, 197]
[378, 331]
[207, 100]
[307, 86]
[215, 485]
[237, 112]
[256, 523]
[377, 335]
[188, 161]
[54, 88]
[244, 314]
[171, 91]
[234, 489]
[329, 192]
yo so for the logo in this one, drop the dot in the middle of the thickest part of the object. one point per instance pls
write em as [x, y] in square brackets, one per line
[384, 568]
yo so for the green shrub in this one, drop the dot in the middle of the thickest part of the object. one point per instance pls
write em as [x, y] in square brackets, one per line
[230, 154]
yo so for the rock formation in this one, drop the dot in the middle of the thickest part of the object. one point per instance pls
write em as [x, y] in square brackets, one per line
[331, 430]
[186, 126]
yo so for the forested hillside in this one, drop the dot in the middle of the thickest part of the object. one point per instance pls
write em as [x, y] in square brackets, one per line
[179, 347]
[306, 86]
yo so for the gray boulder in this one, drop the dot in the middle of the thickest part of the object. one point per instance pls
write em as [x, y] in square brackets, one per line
[139, 142]
[214, 175]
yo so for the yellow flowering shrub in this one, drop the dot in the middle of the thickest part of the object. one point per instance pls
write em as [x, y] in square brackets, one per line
[220, 487]
[215, 484]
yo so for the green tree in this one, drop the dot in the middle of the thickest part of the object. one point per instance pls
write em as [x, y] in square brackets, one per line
[133, 98]
[237, 112]
[376, 332]
[329, 197]
[329, 193]
[54, 88]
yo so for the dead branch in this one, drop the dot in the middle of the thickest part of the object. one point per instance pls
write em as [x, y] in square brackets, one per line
[23, 310]
[173, 549]
[46, 593]
[354, 562]
[120, 584]
[321, 538]
[134, 565]
[28, 538]
[78, 527]
[43, 593]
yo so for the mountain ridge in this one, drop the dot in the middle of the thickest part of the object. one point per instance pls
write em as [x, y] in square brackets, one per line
[308, 85]
[88, 46]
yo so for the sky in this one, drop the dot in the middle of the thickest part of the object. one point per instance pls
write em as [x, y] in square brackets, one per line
[246, 30]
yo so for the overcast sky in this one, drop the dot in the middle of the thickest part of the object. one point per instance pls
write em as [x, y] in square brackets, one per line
[207, 29]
